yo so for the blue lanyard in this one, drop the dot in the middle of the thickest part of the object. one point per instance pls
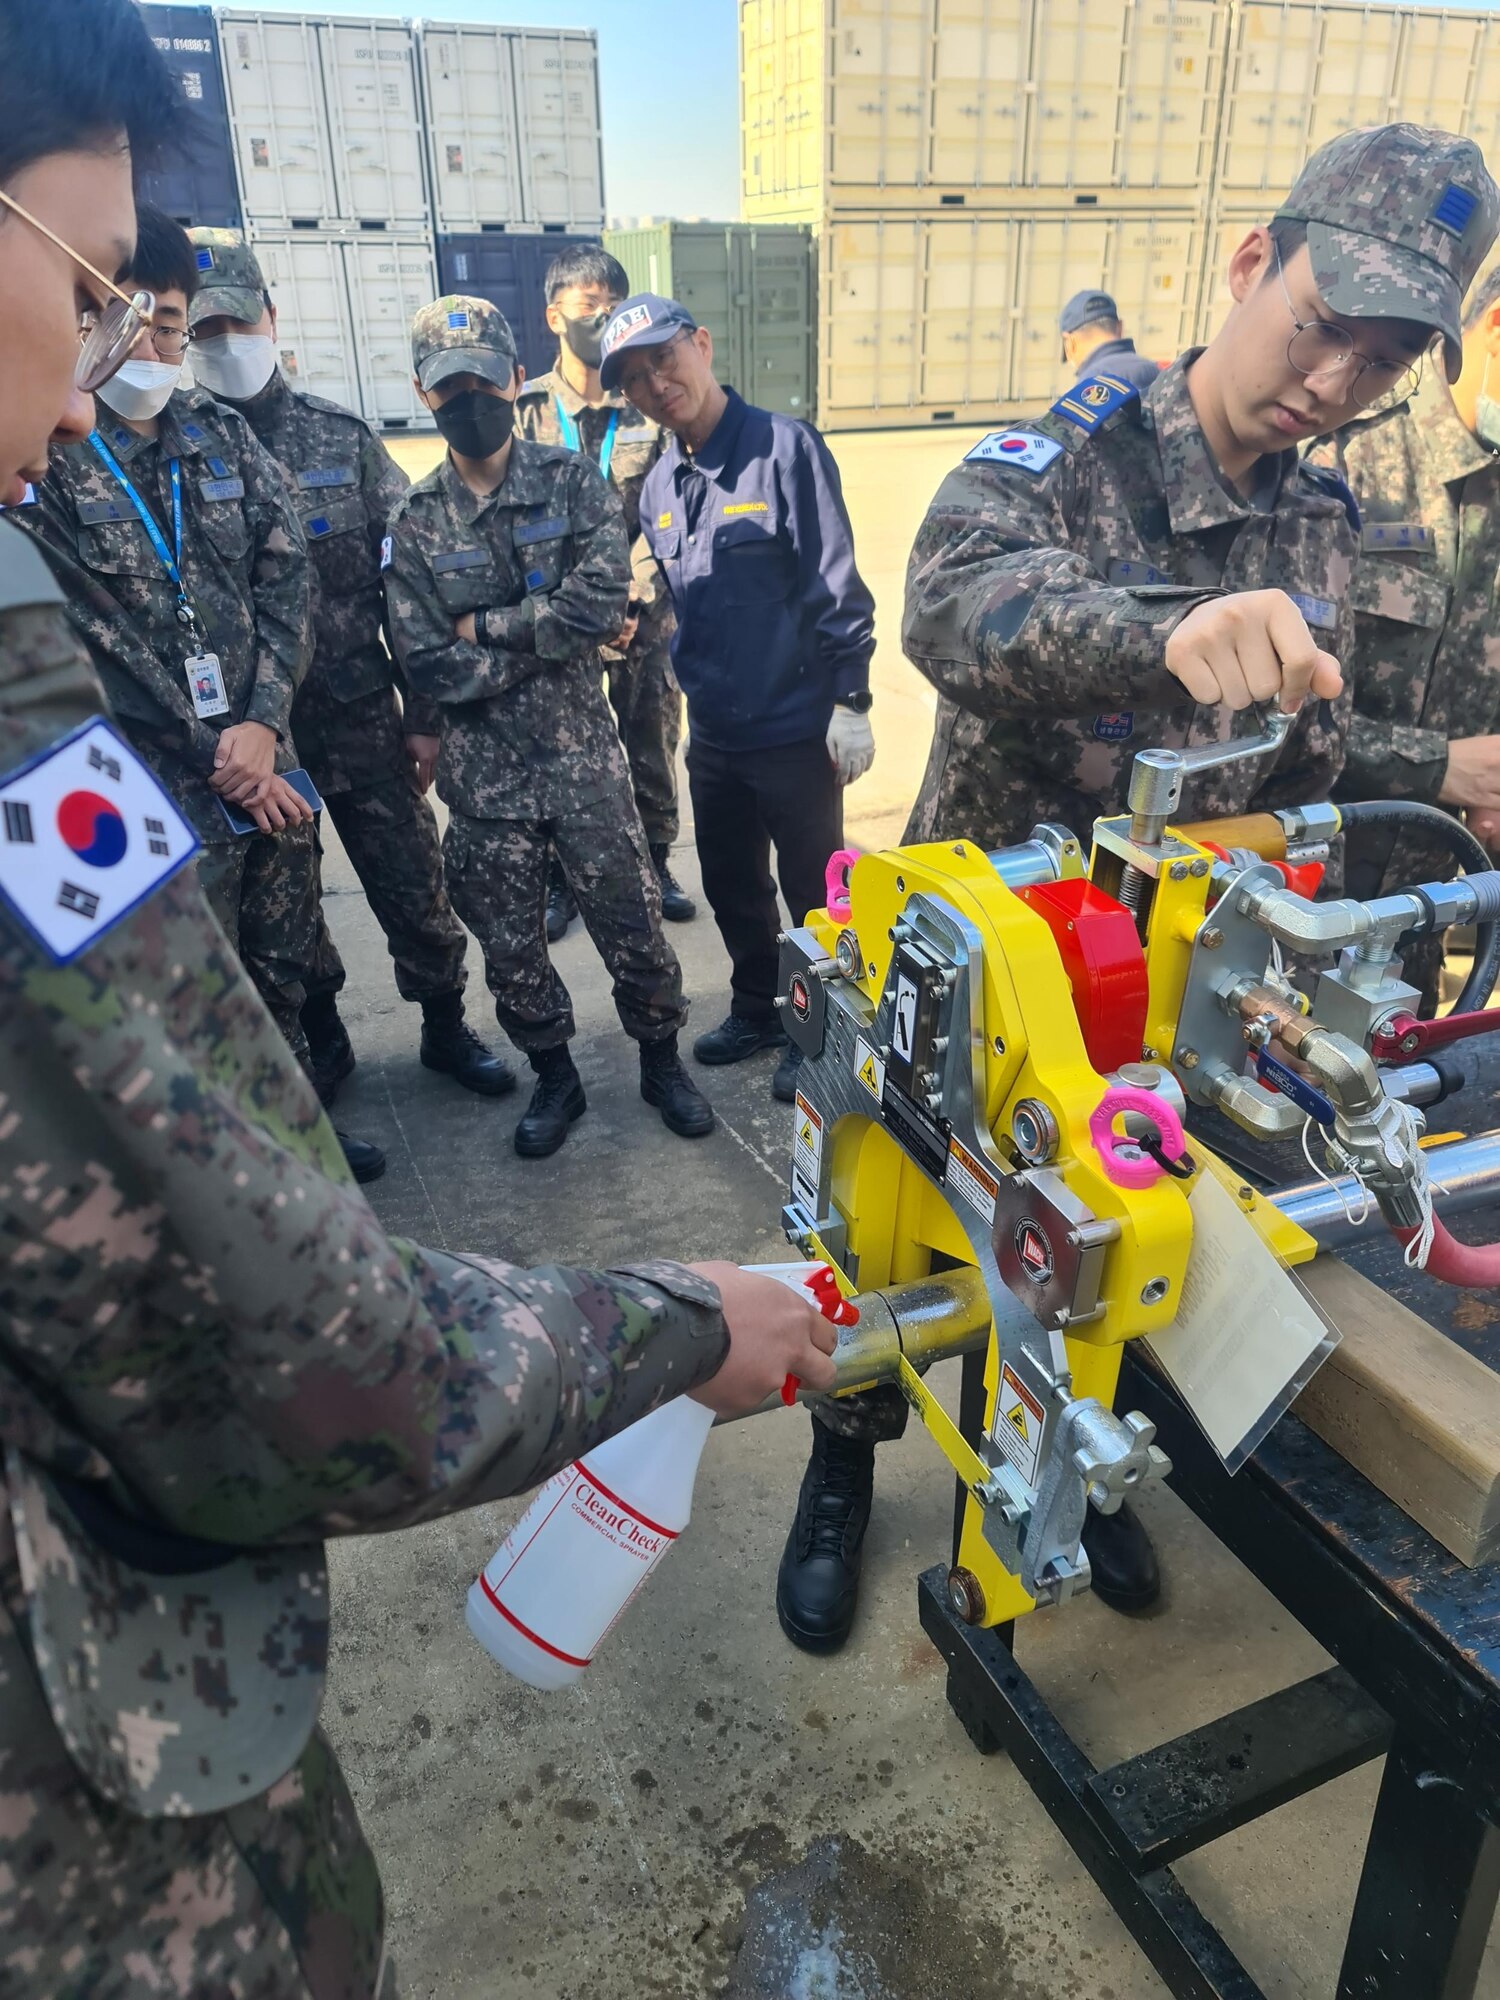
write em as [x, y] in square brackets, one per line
[172, 565]
[574, 442]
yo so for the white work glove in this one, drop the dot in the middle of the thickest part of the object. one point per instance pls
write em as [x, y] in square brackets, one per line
[851, 744]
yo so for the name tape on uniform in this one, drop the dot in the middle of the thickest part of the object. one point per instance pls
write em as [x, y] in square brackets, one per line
[86, 834]
[1027, 449]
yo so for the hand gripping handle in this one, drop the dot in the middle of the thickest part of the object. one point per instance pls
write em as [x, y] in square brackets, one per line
[1143, 1170]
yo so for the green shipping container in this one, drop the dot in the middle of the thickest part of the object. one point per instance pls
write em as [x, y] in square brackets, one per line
[751, 285]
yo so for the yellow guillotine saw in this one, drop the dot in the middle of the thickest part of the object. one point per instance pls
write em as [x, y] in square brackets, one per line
[988, 1146]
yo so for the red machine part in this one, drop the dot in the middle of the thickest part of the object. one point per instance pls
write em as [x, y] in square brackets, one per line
[1404, 1038]
[1303, 878]
[1106, 967]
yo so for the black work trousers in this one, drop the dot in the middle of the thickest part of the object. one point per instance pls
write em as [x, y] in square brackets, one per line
[743, 802]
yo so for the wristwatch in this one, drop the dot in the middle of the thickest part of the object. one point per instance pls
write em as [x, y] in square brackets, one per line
[861, 701]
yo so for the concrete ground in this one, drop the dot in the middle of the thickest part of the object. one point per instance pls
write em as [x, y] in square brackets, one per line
[710, 1812]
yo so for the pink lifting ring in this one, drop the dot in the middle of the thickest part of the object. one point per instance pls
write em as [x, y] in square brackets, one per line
[836, 882]
[1137, 1173]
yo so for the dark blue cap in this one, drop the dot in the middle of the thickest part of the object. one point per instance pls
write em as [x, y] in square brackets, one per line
[645, 320]
[1084, 308]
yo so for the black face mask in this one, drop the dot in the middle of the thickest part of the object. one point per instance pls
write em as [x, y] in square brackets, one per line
[585, 337]
[475, 424]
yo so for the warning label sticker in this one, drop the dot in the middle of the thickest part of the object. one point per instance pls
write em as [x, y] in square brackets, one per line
[869, 1068]
[807, 1144]
[972, 1180]
[1018, 1424]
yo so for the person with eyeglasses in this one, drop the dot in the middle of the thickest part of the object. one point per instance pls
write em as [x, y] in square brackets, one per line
[1425, 469]
[212, 1357]
[1132, 571]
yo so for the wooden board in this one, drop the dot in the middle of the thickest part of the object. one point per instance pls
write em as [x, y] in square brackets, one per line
[1416, 1414]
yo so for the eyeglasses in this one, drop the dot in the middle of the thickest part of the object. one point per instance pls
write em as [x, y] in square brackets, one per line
[656, 361]
[108, 336]
[171, 342]
[1318, 346]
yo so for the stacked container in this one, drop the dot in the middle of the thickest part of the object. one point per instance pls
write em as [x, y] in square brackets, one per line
[196, 184]
[967, 165]
[751, 284]
[508, 267]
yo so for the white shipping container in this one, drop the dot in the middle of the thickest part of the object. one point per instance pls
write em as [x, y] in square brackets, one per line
[1149, 264]
[390, 278]
[474, 155]
[374, 119]
[273, 80]
[873, 103]
[325, 119]
[305, 276]
[557, 120]
[1226, 231]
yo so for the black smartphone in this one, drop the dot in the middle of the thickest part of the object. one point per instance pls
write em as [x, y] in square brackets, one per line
[241, 822]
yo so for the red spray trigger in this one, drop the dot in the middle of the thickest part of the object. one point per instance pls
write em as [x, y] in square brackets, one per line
[831, 1303]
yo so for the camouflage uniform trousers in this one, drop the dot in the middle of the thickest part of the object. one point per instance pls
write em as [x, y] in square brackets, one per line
[276, 1899]
[497, 879]
[647, 703]
[391, 839]
[263, 888]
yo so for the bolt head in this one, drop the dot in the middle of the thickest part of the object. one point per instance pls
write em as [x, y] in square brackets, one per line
[1178, 871]
[1189, 1058]
[1211, 939]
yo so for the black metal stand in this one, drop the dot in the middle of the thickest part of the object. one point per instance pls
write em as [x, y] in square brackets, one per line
[1431, 1876]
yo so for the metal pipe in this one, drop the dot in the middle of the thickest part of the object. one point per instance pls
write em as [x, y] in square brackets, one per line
[1465, 1175]
[925, 1320]
[1025, 865]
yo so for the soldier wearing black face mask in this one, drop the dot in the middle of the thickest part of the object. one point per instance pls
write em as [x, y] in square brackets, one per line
[508, 570]
[568, 406]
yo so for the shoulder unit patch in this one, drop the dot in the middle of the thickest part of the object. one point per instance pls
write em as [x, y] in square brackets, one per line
[86, 834]
[1088, 403]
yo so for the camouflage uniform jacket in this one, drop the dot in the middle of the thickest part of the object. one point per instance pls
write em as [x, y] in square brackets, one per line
[244, 563]
[527, 732]
[206, 1326]
[345, 484]
[638, 445]
[1426, 601]
[1044, 582]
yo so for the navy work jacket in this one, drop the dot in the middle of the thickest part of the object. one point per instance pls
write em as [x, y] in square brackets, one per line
[774, 623]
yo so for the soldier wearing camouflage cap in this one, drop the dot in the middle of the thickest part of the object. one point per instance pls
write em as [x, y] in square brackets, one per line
[370, 759]
[1132, 571]
[509, 570]
[214, 1357]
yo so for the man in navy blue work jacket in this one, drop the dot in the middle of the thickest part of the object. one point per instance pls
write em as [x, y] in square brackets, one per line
[744, 514]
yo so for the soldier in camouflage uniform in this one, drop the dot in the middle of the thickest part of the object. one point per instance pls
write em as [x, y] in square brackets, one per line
[1123, 574]
[1426, 473]
[508, 570]
[569, 406]
[192, 1271]
[346, 721]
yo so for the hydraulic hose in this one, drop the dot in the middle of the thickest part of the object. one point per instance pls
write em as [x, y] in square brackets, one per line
[1467, 851]
[1465, 1264]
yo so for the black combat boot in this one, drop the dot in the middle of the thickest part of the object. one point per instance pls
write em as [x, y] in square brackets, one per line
[328, 1044]
[1126, 1574]
[557, 1100]
[677, 906]
[666, 1084]
[784, 1082]
[817, 1586]
[561, 908]
[366, 1162]
[449, 1044]
[735, 1038]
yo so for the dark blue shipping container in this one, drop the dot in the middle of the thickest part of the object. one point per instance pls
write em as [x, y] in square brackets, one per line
[507, 269]
[195, 182]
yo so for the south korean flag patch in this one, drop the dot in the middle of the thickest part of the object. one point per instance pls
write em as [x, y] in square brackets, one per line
[1026, 449]
[86, 835]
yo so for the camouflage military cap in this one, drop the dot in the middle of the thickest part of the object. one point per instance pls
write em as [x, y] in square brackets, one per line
[459, 336]
[229, 277]
[1399, 218]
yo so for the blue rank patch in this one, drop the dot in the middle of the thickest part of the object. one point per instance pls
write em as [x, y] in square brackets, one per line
[1117, 728]
[1087, 404]
[458, 320]
[193, 431]
[387, 552]
[218, 468]
[319, 525]
[1320, 612]
[205, 260]
[1454, 207]
[534, 579]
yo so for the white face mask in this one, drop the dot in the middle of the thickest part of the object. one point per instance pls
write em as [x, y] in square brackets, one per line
[236, 366]
[140, 389]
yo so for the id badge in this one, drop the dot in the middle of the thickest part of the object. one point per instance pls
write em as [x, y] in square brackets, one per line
[205, 679]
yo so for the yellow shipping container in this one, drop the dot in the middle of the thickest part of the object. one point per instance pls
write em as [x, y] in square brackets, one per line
[953, 319]
[869, 104]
